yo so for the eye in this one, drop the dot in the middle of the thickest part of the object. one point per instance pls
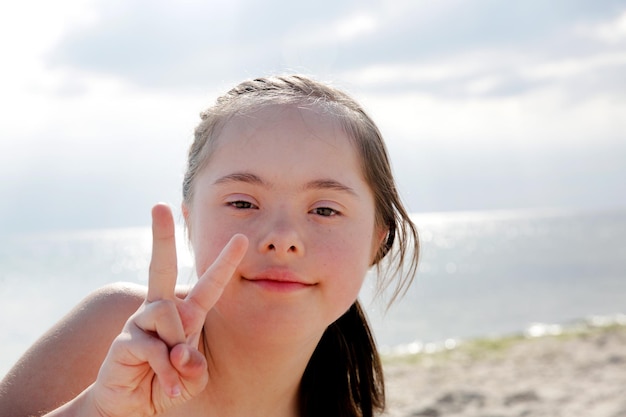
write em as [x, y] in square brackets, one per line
[325, 211]
[242, 205]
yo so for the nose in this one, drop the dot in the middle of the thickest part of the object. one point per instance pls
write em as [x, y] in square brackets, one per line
[281, 237]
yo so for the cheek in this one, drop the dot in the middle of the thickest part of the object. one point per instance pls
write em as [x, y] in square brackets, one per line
[207, 242]
[348, 260]
[346, 274]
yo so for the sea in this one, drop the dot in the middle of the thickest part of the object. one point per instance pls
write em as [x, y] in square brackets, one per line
[481, 274]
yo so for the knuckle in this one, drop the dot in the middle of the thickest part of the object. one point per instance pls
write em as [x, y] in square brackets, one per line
[163, 309]
[122, 341]
[163, 270]
[152, 313]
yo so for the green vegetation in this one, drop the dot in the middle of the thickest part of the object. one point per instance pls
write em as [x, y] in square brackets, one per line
[483, 348]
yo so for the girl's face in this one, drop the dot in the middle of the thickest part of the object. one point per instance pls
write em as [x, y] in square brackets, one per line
[289, 179]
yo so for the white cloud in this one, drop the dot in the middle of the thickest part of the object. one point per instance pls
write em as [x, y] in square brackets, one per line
[543, 120]
[575, 66]
[28, 29]
[484, 70]
[344, 29]
[611, 32]
[88, 117]
[357, 25]
[404, 72]
[483, 85]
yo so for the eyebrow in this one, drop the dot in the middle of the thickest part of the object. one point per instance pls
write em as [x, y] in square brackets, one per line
[329, 184]
[320, 184]
[246, 177]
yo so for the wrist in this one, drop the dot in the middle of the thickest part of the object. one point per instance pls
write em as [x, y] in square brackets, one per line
[81, 406]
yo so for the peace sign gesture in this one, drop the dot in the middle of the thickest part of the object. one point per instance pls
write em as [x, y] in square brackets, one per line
[154, 364]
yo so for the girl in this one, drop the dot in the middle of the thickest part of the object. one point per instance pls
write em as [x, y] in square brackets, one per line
[288, 200]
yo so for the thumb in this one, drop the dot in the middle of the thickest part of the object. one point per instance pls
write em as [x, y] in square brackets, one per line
[192, 369]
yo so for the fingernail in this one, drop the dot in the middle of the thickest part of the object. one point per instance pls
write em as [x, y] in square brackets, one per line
[175, 392]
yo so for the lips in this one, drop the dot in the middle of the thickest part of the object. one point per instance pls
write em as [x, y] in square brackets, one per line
[279, 280]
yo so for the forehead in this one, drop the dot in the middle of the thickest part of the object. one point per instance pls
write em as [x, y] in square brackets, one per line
[285, 125]
[312, 119]
[289, 137]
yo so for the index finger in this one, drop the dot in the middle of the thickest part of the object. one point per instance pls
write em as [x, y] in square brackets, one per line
[211, 284]
[163, 265]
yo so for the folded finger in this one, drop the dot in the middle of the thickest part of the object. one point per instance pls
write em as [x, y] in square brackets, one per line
[191, 366]
[162, 319]
[129, 353]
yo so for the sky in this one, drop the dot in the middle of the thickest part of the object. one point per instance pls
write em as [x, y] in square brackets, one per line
[484, 104]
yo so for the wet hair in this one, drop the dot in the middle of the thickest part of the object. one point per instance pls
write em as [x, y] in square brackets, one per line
[344, 376]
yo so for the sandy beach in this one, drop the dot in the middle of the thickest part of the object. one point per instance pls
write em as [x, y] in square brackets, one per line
[575, 374]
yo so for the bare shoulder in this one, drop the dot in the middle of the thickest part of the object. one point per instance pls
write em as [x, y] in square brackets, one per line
[65, 360]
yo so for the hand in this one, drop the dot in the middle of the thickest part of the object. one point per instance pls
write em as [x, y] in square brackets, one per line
[154, 364]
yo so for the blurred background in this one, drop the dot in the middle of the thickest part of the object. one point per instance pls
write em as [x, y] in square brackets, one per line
[490, 109]
[484, 104]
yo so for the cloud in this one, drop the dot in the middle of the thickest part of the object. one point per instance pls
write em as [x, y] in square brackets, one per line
[157, 44]
[497, 73]
[164, 45]
[612, 31]
[484, 104]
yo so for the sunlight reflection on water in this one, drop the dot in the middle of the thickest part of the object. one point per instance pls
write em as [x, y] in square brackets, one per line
[481, 274]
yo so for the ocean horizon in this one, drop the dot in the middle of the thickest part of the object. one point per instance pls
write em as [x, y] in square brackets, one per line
[481, 274]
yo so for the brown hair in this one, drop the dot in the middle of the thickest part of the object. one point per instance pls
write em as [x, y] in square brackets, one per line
[344, 376]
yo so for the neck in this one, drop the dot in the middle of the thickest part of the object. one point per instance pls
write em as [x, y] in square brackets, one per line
[253, 376]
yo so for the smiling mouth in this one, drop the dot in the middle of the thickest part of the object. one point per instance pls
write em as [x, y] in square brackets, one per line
[275, 285]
